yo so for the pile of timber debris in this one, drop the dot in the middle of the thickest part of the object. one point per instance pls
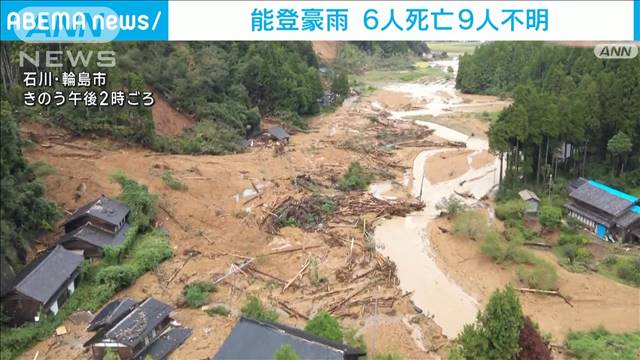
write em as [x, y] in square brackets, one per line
[360, 203]
[309, 213]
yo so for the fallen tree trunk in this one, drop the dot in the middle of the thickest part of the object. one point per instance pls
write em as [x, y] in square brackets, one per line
[544, 245]
[546, 292]
[291, 311]
[299, 274]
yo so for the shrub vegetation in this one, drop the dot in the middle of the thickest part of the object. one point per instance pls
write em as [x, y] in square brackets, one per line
[496, 332]
[451, 205]
[254, 309]
[471, 225]
[219, 310]
[172, 182]
[286, 352]
[600, 344]
[356, 178]
[196, 293]
[324, 325]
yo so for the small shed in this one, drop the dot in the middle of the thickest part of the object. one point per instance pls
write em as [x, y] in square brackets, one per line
[42, 286]
[92, 240]
[279, 134]
[105, 213]
[266, 338]
[532, 201]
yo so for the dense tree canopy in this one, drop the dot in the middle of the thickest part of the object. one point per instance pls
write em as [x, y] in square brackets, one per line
[565, 100]
[227, 86]
[496, 333]
[24, 209]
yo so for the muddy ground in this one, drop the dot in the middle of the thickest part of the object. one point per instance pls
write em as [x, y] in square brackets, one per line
[597, 300]
[220, 214]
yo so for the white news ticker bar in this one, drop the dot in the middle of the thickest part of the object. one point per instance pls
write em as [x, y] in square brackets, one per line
[568, 20]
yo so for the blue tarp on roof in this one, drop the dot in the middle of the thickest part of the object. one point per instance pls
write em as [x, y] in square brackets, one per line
[636, 209]
[613, 191]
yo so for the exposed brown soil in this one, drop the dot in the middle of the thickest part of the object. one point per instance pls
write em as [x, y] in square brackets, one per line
[393, 100]
[326, 50]
[481, 159]
[213, 219]
[169, 121]
[446, 165]
[596, 300]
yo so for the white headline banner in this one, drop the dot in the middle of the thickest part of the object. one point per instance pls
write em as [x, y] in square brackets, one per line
[403, 20]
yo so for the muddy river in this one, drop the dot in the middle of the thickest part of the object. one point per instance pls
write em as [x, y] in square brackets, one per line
[404, 240]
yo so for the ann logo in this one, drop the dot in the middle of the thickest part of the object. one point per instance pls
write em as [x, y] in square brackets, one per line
[616, 51]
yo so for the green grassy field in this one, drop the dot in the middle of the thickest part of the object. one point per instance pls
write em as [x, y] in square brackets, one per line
[454, 47]
[405, 75]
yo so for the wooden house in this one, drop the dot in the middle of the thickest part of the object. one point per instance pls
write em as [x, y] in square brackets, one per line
[92, 240]
[265, 338]
[42, 286]
[103, 213]
[607, 212]
[135, 330]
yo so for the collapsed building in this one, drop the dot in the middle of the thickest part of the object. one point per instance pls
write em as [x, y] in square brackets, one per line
[135, 330]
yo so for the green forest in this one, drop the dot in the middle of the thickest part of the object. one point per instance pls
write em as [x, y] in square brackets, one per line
[226, 87]
[24, 211]
[563, 99]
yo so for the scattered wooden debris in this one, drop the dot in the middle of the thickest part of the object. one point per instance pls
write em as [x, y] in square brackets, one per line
[291, 311]
[61, 330]
[233, 269]
[300, 273]
[546, 292]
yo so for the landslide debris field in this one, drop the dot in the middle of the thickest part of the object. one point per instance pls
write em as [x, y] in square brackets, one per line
[272, 223]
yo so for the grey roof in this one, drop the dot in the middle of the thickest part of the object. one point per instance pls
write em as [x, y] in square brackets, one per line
[576, 183]
[600, 199]
[112, 312]
[96, 236]
[165, 343]
[528, 195]
[251, 339]
[627, 219]
[44, 276]
[135, 326]
[278, 133]
[103, 208]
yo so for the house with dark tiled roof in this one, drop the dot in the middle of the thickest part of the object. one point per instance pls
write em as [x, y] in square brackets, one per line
[92, 240]
[104, 213]
[259, 340]
[608, 212]
[136, 330]
[111, 313]
[42, 286]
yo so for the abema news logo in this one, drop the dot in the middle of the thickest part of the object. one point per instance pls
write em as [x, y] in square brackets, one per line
[113, 21]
